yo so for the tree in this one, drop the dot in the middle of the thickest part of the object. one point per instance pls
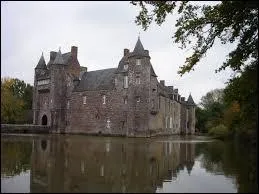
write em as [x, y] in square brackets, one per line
[228, 21]
[212, 97]
[16, 99]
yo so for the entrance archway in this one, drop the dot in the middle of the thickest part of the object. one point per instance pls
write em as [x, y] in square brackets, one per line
[44, 120]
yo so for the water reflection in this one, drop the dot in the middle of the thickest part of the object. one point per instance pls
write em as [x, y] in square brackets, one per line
[96, 165]
[99, 164]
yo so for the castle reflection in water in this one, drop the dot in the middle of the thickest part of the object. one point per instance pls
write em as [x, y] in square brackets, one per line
[83, 164]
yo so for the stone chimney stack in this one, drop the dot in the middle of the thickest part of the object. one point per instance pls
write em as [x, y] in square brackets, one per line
[126, 51]
[162, 82]
[171, 88]
[182, 99]
[74, 52]
[147, 52]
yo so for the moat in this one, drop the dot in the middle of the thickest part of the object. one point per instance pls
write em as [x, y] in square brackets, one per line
[77, 163]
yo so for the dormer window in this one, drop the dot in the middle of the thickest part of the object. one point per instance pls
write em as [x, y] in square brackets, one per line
[138, 62]
[126, 67]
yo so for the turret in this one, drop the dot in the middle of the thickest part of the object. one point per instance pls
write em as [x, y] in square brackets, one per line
[59, 59]
[41, 64]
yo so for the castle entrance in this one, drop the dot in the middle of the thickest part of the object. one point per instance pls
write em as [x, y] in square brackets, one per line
[44, 120]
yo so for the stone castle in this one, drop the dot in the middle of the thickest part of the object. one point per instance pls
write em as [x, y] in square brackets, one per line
[126, 100]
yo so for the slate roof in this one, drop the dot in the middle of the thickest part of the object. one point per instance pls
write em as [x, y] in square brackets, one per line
[190, 100]
[139, 50]
[59, 59]
[67, 57]
[41, 64]
[97, 80]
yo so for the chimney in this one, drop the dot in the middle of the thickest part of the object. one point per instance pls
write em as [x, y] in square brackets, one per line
[74, 52]
[126, 51]
[171, 88]
[176, 91]
[53, 55]
[182, 99]
[179, 98]
[162, 82]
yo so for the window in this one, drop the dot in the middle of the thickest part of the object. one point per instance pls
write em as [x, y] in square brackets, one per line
[67, 104]
[126, 67]
[125, 100]
[43, 82]
[126, 84]
[138, 99]
[171, 122]
[165, 122]
[108, 124]
[137, 80]
[138, 62]
[115, 82]
[84, 99]
[104, 99]
[152, 104]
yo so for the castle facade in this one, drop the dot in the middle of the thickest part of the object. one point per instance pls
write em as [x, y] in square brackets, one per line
[125, 100]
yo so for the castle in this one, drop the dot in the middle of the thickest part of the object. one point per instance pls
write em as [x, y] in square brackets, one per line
[126, 100]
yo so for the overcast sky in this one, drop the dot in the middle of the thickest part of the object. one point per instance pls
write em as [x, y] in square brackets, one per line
[100, 30]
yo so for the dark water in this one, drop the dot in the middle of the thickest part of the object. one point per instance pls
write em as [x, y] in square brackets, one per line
[63, 163]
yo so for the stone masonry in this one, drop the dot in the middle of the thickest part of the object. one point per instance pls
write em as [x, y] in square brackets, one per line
[125, 100]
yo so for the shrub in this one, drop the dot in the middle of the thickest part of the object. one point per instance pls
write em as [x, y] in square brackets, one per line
[220, 131]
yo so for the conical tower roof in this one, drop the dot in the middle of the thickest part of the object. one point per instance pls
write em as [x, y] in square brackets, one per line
[41, 64]
[139, 50]
[59, 59]
[190, 100]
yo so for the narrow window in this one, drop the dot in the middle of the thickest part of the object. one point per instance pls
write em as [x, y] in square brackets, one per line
[138, 99]
[84, 99]
[125, 100]
[104, 99]
[138, 80]
[152, 104]
[115, 82]
[138, 62]
[171, 122]
[126, 84]
[67, 104]
[108, 124]
[165, 122]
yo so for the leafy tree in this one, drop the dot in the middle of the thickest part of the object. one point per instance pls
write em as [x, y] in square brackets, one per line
[212, 97]
[243, 91]
[16, 99]
[227, 21]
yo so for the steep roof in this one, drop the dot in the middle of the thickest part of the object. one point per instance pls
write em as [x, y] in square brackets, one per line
[139, 50]
[190, 100]
[97, 80]
[41, 64]
[59, 59]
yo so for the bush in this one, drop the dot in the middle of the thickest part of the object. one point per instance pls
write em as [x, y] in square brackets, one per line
[219, 131]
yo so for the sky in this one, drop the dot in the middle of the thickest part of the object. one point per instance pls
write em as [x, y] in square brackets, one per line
[100, 30]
